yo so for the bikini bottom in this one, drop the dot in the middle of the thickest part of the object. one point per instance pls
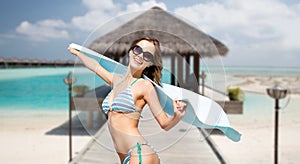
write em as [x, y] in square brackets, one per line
[139, 151]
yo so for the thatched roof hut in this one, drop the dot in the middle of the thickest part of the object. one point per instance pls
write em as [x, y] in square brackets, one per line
[172, 33]
[175, 36]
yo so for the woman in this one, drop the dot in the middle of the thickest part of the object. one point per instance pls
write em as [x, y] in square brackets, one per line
[129, 95]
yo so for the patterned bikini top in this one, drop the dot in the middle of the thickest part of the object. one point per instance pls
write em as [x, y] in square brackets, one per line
[123, 102]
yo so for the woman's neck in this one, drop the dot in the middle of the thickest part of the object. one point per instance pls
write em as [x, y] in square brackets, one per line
[133, 74]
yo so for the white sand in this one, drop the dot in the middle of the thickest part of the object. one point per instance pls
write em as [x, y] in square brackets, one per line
[24, 138]
[258, 84]
[257, 142]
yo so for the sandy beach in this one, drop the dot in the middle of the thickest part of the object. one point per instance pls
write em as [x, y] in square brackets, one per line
[26, 138]
[258, 84]
[257, 128]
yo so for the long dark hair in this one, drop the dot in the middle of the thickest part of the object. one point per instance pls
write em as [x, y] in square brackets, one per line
[154, 71]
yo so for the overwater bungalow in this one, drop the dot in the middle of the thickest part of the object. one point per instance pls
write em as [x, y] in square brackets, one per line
[26, 63]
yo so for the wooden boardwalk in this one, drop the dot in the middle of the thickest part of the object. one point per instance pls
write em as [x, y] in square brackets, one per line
[182, 144]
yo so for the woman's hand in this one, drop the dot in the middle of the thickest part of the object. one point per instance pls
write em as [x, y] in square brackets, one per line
[93, 65]
[179, 108]
[73, 51]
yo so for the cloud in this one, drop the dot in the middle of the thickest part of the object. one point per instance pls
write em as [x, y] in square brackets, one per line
[90, 20]
[101, 12]
[99, 5]
[43, 30]
[98, 13]
[144, 6]
[249, 26]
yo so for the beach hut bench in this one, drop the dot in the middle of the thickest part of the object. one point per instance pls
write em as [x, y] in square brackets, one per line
[91, 102]
[232, 107]
[86, 104]
[229, 106]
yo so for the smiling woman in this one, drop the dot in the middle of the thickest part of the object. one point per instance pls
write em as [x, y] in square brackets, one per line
[130, 93]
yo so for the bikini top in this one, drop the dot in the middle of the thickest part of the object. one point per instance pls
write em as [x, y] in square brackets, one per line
[123, 102]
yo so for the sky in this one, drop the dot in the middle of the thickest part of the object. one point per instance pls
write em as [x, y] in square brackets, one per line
[257, 32]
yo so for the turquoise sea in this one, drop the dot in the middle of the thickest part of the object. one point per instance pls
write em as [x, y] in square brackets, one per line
[44, 89]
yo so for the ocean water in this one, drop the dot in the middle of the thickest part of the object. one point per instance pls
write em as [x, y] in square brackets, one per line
[33, 89]
[36, 88]
[44, 89]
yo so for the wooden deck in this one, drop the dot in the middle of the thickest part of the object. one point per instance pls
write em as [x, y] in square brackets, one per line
[182, 144]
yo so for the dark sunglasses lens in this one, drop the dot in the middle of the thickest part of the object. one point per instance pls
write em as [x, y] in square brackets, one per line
[147, 56]
[137, 50]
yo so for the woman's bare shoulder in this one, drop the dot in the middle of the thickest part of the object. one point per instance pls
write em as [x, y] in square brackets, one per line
[145, 82]
[145, 85]
[116, 78]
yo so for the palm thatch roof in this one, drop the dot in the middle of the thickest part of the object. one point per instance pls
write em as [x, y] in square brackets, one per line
[174, 35]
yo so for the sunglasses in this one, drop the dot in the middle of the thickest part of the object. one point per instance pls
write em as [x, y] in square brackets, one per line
[137, 50]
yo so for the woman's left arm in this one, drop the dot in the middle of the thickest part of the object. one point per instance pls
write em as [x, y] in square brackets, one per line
[166, 122]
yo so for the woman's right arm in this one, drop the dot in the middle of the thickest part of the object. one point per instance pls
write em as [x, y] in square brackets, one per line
[94, 66]
[166, 122]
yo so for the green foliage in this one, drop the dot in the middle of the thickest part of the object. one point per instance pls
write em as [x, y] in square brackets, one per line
[235, 94]
[80, 90]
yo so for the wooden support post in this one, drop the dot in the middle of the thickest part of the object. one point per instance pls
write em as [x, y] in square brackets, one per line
[173, 70]
[187, 68]
[196, 71]
[180, 71]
